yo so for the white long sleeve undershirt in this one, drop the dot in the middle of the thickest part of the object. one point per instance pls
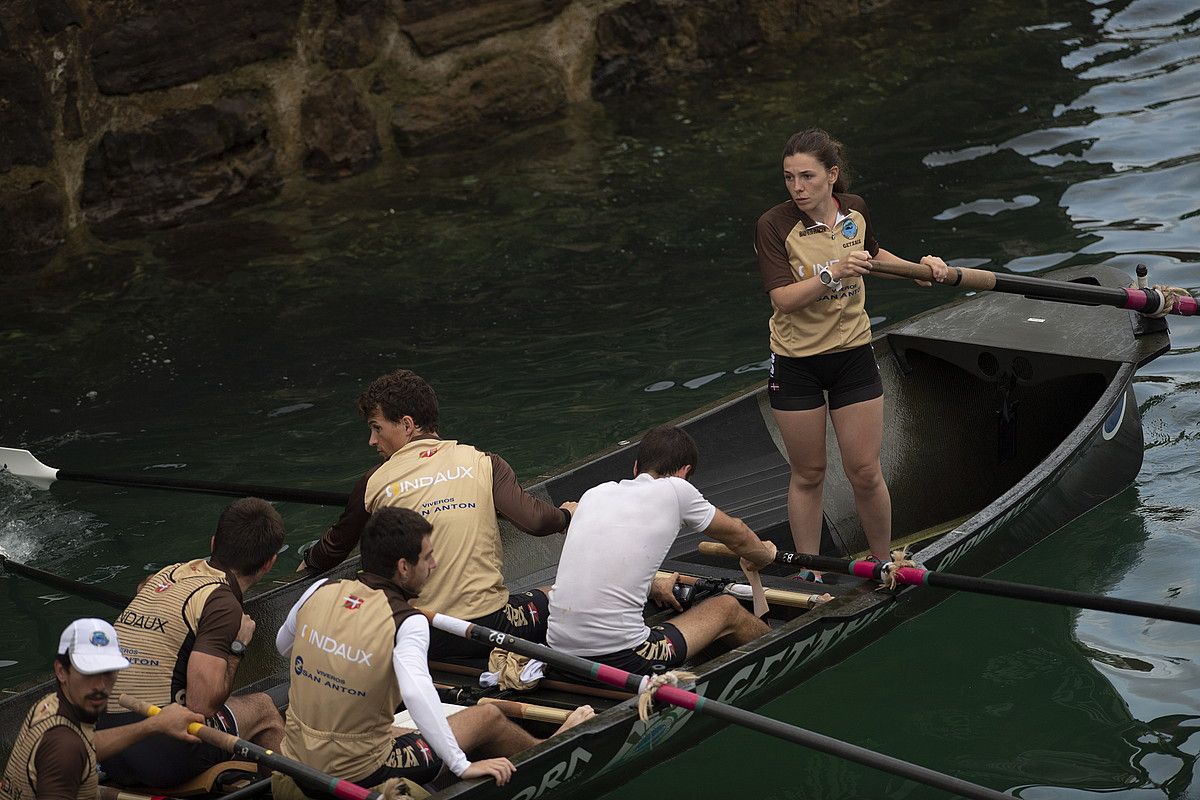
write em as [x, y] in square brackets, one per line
[410, 662]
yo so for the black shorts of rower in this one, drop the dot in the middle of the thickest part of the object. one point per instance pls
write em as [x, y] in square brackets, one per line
[800, 384]
[664, 649]
[524, 615]
[411, 757]
[163, 761]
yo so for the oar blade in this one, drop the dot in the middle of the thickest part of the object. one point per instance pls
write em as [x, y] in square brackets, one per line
[25, 465]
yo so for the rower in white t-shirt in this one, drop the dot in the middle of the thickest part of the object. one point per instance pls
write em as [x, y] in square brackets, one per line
[619, 535]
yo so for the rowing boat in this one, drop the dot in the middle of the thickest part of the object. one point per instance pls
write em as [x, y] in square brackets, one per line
[1005, 418]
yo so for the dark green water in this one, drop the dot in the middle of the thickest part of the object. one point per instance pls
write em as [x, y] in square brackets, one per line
[593, 277]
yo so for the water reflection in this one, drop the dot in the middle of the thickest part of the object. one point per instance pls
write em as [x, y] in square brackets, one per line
[1139, 117]
[593, 277]
[1055, 704]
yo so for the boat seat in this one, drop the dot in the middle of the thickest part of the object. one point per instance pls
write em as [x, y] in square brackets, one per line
[403, 719]
[217, 779]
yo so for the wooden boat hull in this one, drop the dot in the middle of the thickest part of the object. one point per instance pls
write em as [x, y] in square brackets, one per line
[1076, 441]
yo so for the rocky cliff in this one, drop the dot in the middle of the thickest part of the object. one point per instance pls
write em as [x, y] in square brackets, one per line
[121, 116]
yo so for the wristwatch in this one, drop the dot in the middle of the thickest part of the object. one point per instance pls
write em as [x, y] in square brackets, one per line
[237, 648]
[826, 276]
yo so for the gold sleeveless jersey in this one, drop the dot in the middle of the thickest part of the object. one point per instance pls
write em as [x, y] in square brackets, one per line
[450, 484]
[344, 692]
[20, 776]
[158, 630]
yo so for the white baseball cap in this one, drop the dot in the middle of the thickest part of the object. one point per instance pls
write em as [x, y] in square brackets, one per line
[92, 646]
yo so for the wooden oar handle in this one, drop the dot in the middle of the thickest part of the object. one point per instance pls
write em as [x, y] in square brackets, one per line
[974, 279]
[218, 739]
[517, 710]
[138, 705]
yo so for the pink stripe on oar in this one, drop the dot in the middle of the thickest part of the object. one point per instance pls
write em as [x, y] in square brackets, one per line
[678, 697]
[913, 576]
[352, 791]
[1135, 299]
[610, 675]
[863, 569]
[1186, 306]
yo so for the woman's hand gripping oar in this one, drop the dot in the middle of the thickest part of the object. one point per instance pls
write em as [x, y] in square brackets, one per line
[893, 573]
[301, 773]
[694, 702]
[1154, 301]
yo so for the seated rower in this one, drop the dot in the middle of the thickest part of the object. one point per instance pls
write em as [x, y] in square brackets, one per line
[357, 649]
[460, 490]
[56, 750]
[620, 534]
[185, 633]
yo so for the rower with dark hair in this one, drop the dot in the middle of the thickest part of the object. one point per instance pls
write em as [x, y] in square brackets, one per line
[184, 634]
[620, 534]
[460, 490]
[56, 750]
[357, 650]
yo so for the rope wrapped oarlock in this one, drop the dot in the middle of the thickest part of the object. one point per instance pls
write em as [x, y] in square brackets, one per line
[652, 685]
[899, 559]
[395, 789]
[1167, 296]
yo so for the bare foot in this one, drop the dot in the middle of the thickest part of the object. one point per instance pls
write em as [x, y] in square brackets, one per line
[818, 599]
[581, 714]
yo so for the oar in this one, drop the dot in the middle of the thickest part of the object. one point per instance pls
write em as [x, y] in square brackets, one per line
[514, 709]
[1145, 301]
[302, 773]
[694, 702]
[742, 591]
[88, 590]
[252, 789]
[24, 464]
[545, 683]
[916, 576]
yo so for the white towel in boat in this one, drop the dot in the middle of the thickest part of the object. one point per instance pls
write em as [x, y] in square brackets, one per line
[512, 671]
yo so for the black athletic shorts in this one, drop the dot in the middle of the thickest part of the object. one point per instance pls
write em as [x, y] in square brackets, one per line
[799, 384]
[411, 757]
[664, 649]
[163, 761]
[524, 615]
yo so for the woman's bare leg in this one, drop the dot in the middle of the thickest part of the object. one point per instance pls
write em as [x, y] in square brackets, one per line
[804, 439]
[859, 429]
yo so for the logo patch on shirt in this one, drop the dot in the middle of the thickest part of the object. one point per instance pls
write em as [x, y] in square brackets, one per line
[162, 585]
[332, 646]
[430, 453]
[352, 602]
[849, 230]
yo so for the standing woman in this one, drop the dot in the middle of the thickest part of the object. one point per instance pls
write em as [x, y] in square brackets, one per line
[813, 251]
